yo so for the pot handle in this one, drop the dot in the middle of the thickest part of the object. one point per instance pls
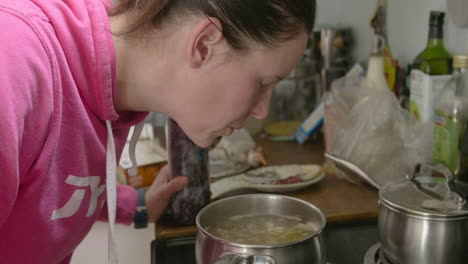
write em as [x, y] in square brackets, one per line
[437, 167]
[237, 259]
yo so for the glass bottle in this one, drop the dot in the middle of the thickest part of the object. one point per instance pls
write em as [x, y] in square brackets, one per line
[430, 71]
[450, 146]
[186, 159]
[435, 59]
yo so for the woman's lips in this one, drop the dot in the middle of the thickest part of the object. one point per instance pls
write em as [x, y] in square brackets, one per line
[230, 130]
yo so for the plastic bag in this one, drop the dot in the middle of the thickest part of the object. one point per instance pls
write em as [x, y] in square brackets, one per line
[368, 127]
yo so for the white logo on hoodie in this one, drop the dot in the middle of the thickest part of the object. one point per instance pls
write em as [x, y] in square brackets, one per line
[75, 201]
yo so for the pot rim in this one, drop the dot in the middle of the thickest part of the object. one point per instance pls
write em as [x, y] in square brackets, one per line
[420, 215]
[316, 234]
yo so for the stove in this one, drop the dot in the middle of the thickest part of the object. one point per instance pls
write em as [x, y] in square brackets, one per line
[375, 255]
[172, 252]
[355, 246]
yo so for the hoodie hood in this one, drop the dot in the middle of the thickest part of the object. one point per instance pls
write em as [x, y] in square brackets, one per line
[87, 42]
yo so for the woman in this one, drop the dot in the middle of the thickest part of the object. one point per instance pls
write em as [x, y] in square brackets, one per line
[76, 74]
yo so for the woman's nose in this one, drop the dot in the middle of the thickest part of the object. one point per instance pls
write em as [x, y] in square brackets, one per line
[262, 107]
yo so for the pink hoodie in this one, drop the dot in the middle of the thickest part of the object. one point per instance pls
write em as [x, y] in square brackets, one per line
[57, 74]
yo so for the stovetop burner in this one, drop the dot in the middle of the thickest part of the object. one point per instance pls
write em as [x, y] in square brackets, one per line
[375, 255]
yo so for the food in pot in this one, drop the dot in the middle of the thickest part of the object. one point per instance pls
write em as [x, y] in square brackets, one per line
[187, 159]
[268, 230]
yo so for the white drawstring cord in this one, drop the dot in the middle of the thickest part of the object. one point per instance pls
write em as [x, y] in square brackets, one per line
[111, 186]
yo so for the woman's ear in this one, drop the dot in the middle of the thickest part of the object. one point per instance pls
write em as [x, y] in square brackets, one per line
[205, 38]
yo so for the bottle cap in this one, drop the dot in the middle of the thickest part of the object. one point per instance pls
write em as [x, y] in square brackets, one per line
[460, 61]
[437, 18]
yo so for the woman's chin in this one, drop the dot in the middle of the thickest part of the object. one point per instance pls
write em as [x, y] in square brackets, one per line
[206, 142]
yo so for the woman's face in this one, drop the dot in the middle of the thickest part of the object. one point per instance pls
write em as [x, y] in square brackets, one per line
[215, 100]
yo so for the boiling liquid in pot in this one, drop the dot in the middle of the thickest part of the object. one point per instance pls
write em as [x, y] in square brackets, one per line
[268, 230]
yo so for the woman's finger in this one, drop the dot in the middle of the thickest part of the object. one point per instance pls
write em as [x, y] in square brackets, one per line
[163, 175]
[177, 184]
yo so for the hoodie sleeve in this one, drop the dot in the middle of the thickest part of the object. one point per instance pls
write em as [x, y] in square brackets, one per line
[25, 104]
[127, 199]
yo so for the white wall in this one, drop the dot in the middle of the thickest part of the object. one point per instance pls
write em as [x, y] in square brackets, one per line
[407, 25]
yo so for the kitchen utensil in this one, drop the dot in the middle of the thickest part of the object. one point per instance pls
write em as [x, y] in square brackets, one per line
[210, 249]
[335, 45]
[268, 179]
[424, 219]
[351, 168]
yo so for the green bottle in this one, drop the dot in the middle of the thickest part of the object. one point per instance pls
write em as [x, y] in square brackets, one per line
[435, 59]
[450, 146]
[430, 71]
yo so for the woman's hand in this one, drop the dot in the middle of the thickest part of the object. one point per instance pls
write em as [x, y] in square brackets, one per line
[159, 194]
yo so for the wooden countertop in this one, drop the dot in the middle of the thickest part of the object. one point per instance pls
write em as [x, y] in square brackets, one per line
[338, 199]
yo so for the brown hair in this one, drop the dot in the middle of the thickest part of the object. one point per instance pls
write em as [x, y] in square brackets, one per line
[263, 21]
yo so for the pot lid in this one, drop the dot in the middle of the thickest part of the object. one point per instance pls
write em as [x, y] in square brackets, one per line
[426, 195]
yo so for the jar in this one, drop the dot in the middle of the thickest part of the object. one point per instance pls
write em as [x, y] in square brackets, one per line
[186, 159]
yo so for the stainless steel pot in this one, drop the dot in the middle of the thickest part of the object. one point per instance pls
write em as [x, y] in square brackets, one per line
[210, 249]
[424, 219]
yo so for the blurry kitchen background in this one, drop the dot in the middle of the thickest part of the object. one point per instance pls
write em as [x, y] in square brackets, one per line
[407, 25]
[407, 32]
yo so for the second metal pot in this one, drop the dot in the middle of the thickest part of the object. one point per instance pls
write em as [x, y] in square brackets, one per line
[419, 222]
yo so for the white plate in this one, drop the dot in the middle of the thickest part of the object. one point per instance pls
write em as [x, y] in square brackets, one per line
[313, 173]
[224, 167]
